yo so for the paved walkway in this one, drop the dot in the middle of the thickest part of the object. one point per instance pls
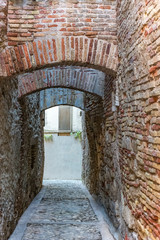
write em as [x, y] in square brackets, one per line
[62, 211]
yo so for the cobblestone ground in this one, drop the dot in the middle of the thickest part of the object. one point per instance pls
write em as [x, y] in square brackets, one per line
[63, 213]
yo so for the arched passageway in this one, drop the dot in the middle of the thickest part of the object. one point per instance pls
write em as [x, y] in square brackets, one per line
[77, 86]
[61, 96]
[121, 125]
[80, 78]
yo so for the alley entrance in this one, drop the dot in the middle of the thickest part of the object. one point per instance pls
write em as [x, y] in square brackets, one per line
[63, 143]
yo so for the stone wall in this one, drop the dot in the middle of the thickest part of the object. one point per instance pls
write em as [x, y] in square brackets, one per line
[121, 136]
[92, 143]
[3, 22]
[20, 178]
[10, 145]
[110, 175]
[32, 149]
[101, 168]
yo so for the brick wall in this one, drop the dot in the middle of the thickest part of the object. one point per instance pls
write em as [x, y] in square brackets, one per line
[81, 78]
[122, 164]
[47, 18]
[42, 33]
[59, 50]
[61, 96]
[139, 114]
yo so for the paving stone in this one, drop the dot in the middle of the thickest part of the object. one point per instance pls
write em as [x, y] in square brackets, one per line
[66, 210]
[62, 232]
[64, 213]
[59, 193]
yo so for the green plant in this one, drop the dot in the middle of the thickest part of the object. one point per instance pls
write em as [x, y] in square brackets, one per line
[77, 135]
[48, 137]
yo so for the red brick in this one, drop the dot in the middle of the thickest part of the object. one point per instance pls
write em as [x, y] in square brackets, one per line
[103, 52]
[54, 49]
[11, 66]
[53, 16]
[63, 49]
[88, 20]
[105, 7]
[76, 49]
[36, 53]
[25, 34]
[46, 21]
[39, 25]
[19, 60]
[27, 55]
[14, 16]
[45, 51]
[95, 50]
[90, 50]
[72, 42]
[49, 44]
[11, 34]
[108, 49]
[152, 69]
[52, 25]
[20, 48]
[10, 43]
[80, 49]
[60, 20]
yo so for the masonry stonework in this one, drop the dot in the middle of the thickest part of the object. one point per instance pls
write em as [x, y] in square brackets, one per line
[78, 41]
[138, 116]
[80, 78]
[20, 178]
[43, 19]
[3, 22]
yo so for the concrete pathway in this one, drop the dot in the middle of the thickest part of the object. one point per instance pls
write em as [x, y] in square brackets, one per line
[63, 210]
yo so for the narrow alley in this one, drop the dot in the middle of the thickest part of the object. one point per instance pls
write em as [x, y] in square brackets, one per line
[103, 58]
[63, 210]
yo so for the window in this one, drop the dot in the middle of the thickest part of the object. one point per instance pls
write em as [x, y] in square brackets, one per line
[65, 119]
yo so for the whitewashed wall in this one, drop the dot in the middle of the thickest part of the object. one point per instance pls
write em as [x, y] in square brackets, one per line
[63, 155]
[52, 116]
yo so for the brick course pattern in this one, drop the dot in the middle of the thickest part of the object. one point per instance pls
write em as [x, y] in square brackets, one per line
[66, 50]
[61, 96]
[84, 79]
[47, 18]
[121, 144]
[139, 115]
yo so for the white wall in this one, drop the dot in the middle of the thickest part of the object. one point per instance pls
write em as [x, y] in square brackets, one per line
[63, 158]
[51, 119]
[77, 120]
[52, 115]
[63, 155]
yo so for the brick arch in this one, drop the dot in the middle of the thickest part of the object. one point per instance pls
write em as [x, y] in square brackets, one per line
[73, 77]
[61, 96]
[42, 53]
